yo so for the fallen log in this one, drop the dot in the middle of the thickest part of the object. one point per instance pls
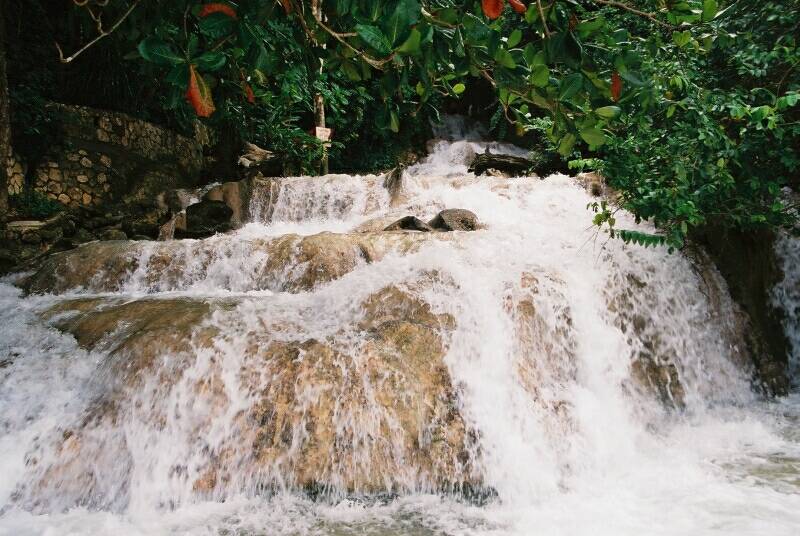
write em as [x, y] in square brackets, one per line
[504, 163]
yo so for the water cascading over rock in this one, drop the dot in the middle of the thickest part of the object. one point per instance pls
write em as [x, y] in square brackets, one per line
[312, 352]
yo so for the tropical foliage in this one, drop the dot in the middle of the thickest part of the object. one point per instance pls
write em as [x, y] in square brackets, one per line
[689, 108]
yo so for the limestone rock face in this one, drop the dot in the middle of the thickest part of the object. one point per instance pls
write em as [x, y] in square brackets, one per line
[287, 263]
[369, 408]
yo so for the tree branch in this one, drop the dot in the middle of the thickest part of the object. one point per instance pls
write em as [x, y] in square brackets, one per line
[374, 62]
[635, 11]
[541, 15]
[103, 33]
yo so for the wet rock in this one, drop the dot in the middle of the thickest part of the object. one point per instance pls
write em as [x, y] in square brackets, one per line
[593, 182]
[374, 225]
[147, 229]
[68, 227]
[661, 379]
[748, 263]
[369, 409]
[393, 182]
[51, 233]
[291, 263]
[32, 237]
[235, 195]
[8, 260]
[113, 234]
[409, 223]
[207, 218]
[455, 219]
[82, 236]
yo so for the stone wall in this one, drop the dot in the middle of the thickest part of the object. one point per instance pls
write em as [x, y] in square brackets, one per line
[111, 157]
[136, 136]
[16, 169]
[76, 178]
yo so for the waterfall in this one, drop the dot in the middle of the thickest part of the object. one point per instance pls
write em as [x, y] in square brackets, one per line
[311, 373]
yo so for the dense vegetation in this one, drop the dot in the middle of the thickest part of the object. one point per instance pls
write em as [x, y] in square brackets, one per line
[688, 108]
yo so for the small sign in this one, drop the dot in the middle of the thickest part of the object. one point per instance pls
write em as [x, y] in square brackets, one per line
[322, 133]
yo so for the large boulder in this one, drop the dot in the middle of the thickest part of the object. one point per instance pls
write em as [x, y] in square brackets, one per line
[207, 218]
[234, 194]
[369, 408]
[455, 219]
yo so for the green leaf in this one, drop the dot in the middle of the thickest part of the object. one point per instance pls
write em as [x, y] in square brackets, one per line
[681, 38]
[191, 48]
[787, 101]
[411, 46]
[373, 36]
[566, 144]
[540, 76]
[178, 76]
[504, 58]
[160, 52]
[631, 78]
[458, 89]
[514, 38]
[593, 136]
[405, 15]
[343, 6]
[533, 56]
[587, 27]
[531, 14]
[216, 25]
[394, 121]
[570, 85]
[608, 112]
[351, 71]
[209, 61]
[709, 10]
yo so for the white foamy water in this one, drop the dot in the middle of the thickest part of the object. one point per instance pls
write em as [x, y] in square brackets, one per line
[551, 325]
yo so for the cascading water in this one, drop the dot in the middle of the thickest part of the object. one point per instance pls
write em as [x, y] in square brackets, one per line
[312, 374]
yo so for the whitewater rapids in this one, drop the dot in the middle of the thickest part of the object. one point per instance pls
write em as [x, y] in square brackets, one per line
[566, 441]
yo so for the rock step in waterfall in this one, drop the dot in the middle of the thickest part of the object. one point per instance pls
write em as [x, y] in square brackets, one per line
[321, 350]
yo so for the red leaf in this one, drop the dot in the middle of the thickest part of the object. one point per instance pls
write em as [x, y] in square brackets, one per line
[248, 93]
[225, 9]
[518, 6]
[616, 86]
[492, 8]
[287, 6]
[199, 94]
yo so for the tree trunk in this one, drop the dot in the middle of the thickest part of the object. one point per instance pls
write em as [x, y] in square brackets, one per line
[319, 116]
[319, 100]
[5, 122]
